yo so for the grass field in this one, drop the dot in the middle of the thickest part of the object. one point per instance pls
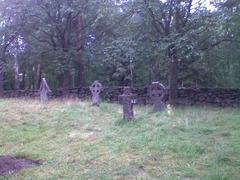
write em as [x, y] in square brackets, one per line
[74, 140]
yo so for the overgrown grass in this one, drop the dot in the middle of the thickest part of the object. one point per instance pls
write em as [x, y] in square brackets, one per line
[74, 140]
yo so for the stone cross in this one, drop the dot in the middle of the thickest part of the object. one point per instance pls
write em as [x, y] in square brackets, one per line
[44, 91]
[157, 93]
[127, 100]
[96, 89]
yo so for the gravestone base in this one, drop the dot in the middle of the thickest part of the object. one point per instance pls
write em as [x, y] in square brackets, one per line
[159, 106]
[128, 113]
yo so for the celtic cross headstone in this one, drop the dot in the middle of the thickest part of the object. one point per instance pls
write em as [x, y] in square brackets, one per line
[96, 89]
[157, 93]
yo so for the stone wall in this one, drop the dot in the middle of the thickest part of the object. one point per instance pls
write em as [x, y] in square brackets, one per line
[187, 96]
[20, 94]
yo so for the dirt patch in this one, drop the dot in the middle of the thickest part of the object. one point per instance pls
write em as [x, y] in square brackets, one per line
[85, 136]
[92, 128]
[10, 164]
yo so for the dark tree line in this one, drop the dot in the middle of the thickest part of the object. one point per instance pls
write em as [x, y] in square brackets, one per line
[131, 42]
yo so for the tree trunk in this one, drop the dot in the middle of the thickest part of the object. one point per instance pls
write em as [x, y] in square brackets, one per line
[17, 80]
[78, 26]
[80, 74]
[157, 72]
[173, 81]
[23, 85]
[1, 84]
[31, 80]
[38, 76]
[66, 82]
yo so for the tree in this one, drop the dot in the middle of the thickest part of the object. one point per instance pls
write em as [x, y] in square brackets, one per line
[181, 29]
[62, 29]
[7, 36]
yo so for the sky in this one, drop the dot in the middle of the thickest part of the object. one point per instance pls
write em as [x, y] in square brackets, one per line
[206, 3]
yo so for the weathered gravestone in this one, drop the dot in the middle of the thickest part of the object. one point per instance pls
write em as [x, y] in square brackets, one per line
[157, 93]
[44, 91]
[96, 89]
[127, 99]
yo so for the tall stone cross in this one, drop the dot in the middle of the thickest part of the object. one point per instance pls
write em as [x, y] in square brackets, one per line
[127, 100]
[44, 91]
[157, 93]
[96, 89]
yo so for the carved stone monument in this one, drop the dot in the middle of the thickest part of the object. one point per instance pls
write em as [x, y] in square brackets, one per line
[156, 93]
[44, 91]
[127, 100]
[96, 89]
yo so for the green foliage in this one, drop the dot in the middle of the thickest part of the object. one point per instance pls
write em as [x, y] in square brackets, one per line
[127, 43]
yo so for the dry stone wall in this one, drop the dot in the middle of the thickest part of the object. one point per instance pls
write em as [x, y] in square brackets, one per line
[187, 96]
